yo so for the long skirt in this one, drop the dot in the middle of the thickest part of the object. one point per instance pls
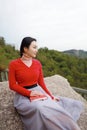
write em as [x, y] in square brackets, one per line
[48, 114]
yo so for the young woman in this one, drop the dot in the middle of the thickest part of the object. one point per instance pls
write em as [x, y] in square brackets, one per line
[26, 79]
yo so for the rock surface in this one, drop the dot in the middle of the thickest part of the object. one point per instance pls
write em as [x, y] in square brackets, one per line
[58, 85]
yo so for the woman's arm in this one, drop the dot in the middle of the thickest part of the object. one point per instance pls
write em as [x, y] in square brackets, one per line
[42, 83]
[13, 84]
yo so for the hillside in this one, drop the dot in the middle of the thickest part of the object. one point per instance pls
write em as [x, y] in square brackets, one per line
[77, 53]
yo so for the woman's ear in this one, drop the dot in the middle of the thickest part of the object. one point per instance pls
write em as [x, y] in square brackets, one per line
[25, 49]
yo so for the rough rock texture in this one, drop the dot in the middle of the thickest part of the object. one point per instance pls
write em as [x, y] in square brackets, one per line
[9, 118]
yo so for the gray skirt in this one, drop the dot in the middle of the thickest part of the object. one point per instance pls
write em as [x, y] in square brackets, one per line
[48, 114]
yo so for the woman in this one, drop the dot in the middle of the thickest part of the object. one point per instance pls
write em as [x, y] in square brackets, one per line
[26, 79]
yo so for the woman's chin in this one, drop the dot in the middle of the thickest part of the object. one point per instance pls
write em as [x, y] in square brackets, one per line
[34, 56]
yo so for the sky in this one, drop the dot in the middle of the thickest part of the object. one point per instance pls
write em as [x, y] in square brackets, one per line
[56, 24]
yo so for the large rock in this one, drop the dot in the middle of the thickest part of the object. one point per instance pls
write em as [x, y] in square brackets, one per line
[9, 118]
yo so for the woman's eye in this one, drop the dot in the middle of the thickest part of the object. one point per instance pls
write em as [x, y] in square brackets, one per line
[35, 47]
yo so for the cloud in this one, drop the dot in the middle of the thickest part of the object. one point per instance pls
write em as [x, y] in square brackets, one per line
[56, 24]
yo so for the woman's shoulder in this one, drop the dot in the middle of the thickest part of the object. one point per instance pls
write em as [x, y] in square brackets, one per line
[15, 61]
[36, 61]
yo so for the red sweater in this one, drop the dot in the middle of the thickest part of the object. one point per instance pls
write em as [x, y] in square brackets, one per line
[21, 75]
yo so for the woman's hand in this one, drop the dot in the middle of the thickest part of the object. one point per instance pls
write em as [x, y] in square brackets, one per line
[35, 93]
[55, 98]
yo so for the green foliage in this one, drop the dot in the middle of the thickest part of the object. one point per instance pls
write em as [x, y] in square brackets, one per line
[71, 67]
[7, 53]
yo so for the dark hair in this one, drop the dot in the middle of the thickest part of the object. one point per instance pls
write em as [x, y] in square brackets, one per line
[26, 43]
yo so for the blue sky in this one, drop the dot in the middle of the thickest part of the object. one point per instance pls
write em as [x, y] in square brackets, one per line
[56, 24]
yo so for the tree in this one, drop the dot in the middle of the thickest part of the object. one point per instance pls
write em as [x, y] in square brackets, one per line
[2, 41]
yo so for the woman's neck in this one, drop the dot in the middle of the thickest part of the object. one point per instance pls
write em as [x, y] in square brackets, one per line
[26, 58]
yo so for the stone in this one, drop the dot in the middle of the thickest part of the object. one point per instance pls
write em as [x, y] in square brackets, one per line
[58, 85]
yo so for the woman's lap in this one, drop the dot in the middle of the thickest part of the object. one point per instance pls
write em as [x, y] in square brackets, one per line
[47, 110]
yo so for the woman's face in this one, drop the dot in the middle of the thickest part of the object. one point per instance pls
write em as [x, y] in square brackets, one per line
[32, 50]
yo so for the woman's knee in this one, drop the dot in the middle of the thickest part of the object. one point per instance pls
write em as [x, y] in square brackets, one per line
[38, 107]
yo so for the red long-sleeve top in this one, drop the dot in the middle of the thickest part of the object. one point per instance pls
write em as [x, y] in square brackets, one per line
[21, 75]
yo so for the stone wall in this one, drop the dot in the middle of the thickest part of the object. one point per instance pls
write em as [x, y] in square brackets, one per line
[58, 85]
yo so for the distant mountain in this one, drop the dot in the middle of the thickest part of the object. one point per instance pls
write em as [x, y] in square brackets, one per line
[77, 53]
